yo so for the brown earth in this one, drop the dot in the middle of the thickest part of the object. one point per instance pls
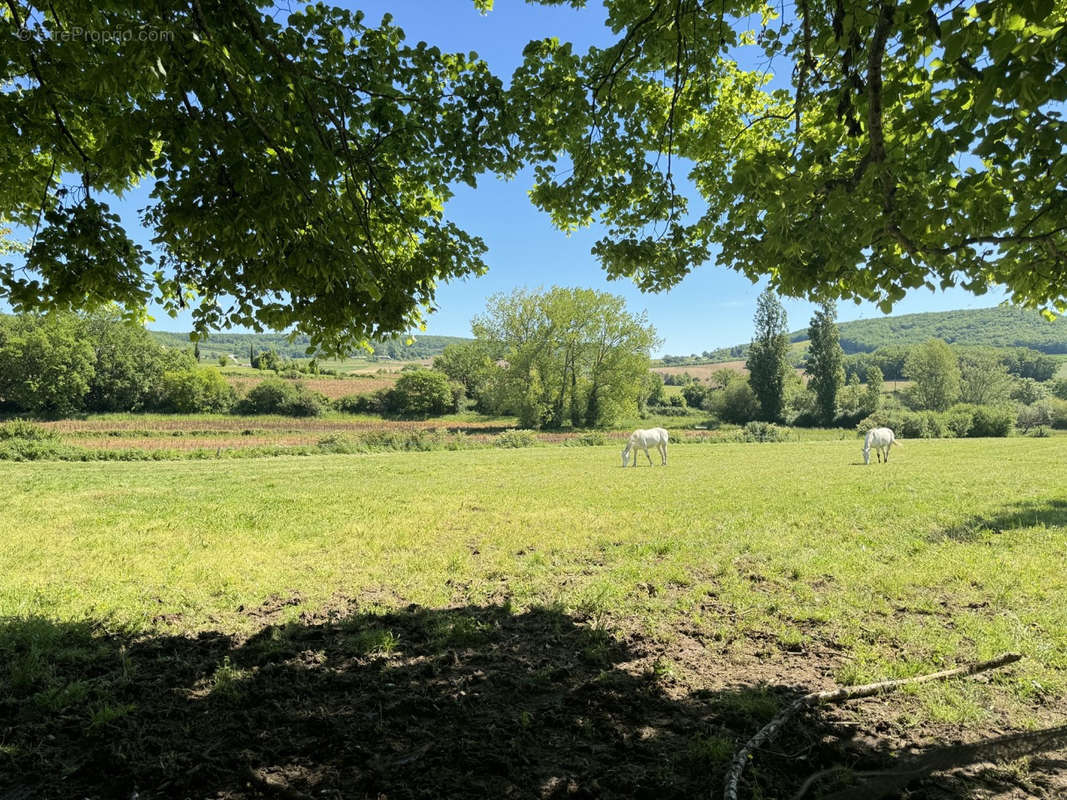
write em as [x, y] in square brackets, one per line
[330, 387]
[704, 372]
[192, 426]
[369, 698]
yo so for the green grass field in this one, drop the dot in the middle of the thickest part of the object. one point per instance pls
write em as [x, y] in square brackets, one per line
[954, 550]
[737, 563]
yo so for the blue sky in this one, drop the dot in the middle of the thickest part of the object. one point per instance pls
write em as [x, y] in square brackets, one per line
[712, 307]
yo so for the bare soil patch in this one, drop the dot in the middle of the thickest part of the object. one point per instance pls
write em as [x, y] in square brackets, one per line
[357, 700]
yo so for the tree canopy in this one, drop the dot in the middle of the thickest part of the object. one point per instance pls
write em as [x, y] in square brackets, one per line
[300, 166]
[905, 143]
[572, 355]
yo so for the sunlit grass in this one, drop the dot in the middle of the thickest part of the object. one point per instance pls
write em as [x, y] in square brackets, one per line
[955, 550]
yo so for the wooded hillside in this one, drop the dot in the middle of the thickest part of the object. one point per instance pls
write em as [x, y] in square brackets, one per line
[1001, 326]
[238, 344]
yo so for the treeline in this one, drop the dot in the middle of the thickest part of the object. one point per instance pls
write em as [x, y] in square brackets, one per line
[707, 357]
[1022, 362]
[562, 358]
[239, 345]
[63, 364]
[952, 391]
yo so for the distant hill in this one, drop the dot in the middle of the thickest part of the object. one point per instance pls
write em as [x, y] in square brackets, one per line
[1001, 326]
[238, 344]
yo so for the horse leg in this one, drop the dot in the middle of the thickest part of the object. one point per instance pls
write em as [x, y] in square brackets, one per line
[649, 457]
[663, 453]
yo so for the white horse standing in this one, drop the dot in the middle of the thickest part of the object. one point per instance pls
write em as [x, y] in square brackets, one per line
[881, 439]
[644, 439]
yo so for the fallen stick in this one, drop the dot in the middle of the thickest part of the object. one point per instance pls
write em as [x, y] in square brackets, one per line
[737, 764]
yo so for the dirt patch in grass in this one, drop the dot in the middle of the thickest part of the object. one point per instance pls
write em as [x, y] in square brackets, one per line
[359, 700]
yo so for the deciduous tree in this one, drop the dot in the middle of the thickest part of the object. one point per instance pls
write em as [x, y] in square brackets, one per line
[572, 355]
[872, 400]
[909, 144]
[936, 373]
[46, 364]
[299, 165]
[984, 380]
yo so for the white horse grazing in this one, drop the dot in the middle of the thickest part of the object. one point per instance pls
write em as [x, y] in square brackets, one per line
[881, 439]
[644, 439]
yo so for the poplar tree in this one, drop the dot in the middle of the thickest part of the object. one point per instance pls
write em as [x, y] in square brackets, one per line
[768, 361]
[825, 361]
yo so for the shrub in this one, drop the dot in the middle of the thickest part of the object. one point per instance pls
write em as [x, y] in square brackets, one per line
[587, 439]
[23, 441]
[361, 403]
[738, 403]
[194, 390]
[18, 449]
[1059, 412]
[275, 396]
[992, 421]
[338, 443]
[959, 419]
[305, 404]
[764, 432]
[933, 425]
[420, 393]
[267, 359]
[27, 431]
[516, 438]
[695, 395]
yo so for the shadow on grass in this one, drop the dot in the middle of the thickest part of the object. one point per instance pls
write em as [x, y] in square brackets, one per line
[1051, 513]
[435, 703]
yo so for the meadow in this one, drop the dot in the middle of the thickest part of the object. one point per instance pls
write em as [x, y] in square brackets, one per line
[664, 613]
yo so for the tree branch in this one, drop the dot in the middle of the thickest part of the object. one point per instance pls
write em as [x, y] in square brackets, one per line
[737, 765]
[47, 92]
